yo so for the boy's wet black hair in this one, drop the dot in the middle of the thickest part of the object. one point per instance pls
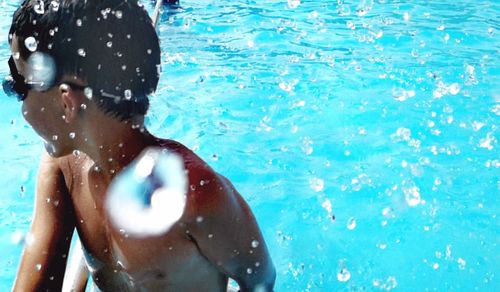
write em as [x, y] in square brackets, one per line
[111, 44]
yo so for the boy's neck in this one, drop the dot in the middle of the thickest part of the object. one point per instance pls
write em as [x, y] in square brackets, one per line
[113, 144]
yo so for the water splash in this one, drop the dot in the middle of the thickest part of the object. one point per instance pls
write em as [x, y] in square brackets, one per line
[148, 197]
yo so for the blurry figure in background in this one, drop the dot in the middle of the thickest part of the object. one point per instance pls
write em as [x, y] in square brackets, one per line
[84, 71]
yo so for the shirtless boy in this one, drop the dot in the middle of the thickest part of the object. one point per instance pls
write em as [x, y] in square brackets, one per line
[90, 114]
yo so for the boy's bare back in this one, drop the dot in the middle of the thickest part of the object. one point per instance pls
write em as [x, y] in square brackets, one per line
[216, 236]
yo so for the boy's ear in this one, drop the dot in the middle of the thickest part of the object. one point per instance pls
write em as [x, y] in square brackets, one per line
[70, 102]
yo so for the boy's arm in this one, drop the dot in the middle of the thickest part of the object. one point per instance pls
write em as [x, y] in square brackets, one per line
[227, 234]
[44, 257]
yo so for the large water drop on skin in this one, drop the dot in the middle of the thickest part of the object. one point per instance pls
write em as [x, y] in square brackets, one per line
[41, 70]
[148, 197]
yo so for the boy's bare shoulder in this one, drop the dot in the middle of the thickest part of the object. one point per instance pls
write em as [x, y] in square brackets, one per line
[195, 166]
[208, 191]
[71, 167]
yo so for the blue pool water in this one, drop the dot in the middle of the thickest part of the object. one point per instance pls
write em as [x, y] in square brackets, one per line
[381, 114]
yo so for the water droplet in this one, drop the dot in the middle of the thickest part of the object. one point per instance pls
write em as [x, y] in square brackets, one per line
[350, 25]
[382, 245]
[402, 94]
[255, 243]
[76, 152]
[38, 267]
[199, 219]
[118, 14]
[412, 195]
[387, 212]
[249, 271]
[72, 135]
[293, 3]
[109, 44]
[17, 237]
[343, 275]
[327, 205]
[307, 146]
[406, 16]
[487, 141]
[83, 106]
[30, 43]
[78, 22]
[54, 138]
[361, 12]
[81, 52]
[454, 89]
[476, 126]
[39, 7]
[317, 184]
[54, 5]
[461, 263]
[124, 67]
[105, 12]
[390, 283]
[88, 92]
[149, 51]
[351, 223]
[344, 10]
[128, 94]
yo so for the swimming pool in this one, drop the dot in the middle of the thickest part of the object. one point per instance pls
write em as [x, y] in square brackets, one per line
[364, 135]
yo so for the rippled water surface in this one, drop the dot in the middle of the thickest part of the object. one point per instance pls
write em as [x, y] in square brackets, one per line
[364, 135]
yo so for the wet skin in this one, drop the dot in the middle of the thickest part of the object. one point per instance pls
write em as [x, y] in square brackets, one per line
[211, 242]
[177, 260]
